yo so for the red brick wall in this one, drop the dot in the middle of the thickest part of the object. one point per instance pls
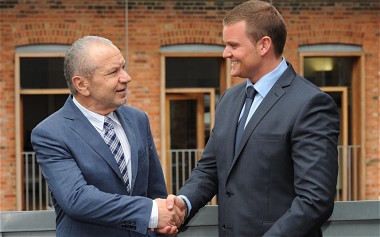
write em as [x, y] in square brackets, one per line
[153, 24]
[43, 22]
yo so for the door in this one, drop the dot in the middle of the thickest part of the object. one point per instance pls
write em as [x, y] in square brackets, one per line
[189, 119]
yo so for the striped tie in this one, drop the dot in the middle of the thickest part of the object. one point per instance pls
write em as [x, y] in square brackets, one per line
[115, 146]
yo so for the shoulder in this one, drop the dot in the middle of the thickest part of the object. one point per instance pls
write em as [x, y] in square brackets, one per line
[299, 86]
[236, 89]
[53, 121]
[233, 92]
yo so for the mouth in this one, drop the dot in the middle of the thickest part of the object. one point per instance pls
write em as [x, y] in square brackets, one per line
[234, 62]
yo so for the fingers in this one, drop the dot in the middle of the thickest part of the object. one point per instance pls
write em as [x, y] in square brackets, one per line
[171, 214]
[180, 203]
[180, 215]
[168, 230]
[166, 217]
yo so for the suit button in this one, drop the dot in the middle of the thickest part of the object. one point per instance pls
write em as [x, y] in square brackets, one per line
[224, 227]
[228, 194]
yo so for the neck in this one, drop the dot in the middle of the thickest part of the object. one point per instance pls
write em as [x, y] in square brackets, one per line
[267, 65]
[92, 106]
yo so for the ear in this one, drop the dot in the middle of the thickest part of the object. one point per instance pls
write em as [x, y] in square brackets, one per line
[81, 85]
[264, 45]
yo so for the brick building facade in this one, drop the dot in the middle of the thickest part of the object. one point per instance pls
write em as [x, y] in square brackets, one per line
[142, 28]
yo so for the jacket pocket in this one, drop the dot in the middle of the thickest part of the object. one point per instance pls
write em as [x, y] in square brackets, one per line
[268, 136]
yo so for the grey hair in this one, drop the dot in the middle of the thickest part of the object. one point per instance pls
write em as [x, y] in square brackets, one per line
[77, 62]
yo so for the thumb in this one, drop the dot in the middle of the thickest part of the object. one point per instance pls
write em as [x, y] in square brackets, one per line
[170, 201]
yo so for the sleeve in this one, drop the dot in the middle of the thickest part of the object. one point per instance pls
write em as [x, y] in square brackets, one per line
[74, 196]
[202, 185]
[314, 153]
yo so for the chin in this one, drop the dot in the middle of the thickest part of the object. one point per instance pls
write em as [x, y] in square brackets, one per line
[119, 103]
[123, 102]
[235, 74]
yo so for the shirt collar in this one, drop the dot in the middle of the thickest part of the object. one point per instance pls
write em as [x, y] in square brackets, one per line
[265, 83]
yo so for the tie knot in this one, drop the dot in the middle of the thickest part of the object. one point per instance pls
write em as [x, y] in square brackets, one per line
[251, 92]
[107, 123]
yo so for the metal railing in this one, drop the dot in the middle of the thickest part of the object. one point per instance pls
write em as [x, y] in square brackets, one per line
[349, 173]
[37, 195]
[184, 161]
[182, 164]
[36, 191]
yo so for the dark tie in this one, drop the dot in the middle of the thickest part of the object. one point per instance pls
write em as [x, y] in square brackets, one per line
[115, 146]
[251, 92]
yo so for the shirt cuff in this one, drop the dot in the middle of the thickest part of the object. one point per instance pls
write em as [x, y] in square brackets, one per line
[153, 221]
[188, 204]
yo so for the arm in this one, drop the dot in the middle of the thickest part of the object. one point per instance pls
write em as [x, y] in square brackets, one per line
[202, 185]
[314, 154]
[75, 197]
[168, 219]
[156, 182]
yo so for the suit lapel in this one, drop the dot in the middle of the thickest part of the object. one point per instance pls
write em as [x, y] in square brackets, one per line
[265, 106]
[83, 127]
[270, 99]
[236, 106]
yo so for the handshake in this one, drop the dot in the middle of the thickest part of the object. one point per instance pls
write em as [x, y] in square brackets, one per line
[171, 214]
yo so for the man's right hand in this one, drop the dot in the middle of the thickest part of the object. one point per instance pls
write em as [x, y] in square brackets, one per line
[171, 214]
[173, 201]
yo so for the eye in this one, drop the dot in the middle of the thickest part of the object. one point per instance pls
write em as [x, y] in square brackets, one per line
[231, 45]
[111, 72]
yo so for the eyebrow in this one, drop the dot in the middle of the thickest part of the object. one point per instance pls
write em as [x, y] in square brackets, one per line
[233, 43]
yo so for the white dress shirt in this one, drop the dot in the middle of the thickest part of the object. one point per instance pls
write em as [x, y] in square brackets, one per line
[97, 120]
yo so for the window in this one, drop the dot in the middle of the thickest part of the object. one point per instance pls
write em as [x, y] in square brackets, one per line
[338, 70]
[40, 91]
[41, 73]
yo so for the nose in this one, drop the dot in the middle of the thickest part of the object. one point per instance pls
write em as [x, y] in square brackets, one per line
[125, 77]
[226, 53]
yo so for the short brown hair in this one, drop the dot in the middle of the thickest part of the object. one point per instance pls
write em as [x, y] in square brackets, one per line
[262, 20]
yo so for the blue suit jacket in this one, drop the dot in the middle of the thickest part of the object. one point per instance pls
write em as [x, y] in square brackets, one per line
[282, 179]
[86, 185]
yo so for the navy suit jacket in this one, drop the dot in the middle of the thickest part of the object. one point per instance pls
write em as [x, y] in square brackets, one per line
[282, 179]
[86, 185]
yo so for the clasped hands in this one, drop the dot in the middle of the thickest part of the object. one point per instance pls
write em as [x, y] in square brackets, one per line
[171, 214]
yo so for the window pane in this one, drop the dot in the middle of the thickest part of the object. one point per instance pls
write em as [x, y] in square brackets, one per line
[192, 72]
[183, 121]
[329, 71]
[35, 109]
[42, 73]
